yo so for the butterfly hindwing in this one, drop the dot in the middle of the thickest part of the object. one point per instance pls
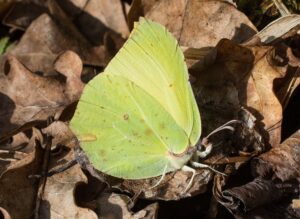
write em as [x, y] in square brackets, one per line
[132, 133]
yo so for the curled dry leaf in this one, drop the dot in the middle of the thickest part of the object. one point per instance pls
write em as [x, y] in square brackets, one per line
[252, 195]
[196, 24]
[283, 162]
[28, 97]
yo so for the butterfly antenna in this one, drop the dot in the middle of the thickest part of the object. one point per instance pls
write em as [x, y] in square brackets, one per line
[224, 126]
[161, 178]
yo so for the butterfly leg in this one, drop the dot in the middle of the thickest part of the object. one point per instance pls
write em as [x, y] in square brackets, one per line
[189, 169]
[161, 178]
[202, 165]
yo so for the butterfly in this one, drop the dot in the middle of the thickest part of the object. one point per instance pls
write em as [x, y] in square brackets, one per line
[139, 118]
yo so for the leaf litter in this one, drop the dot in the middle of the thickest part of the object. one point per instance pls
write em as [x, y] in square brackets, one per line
[250, 76]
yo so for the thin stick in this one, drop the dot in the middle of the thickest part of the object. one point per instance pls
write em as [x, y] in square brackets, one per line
[43, 179]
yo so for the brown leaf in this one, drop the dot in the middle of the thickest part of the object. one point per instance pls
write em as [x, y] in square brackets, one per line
[115, 206]
[240, 76]
[283, 162]
[22, 14]
[17, 190]
[28, 97]
[278, 28]
[44, 40]
[58, 197]
[172, 186]
[249, 196]
[196, 24]
[96, 17]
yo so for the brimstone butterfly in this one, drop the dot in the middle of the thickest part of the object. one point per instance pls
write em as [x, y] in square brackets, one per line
[139, 118]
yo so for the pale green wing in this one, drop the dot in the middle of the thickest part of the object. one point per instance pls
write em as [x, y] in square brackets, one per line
[152, 60]
[131, 135]
[196, 131]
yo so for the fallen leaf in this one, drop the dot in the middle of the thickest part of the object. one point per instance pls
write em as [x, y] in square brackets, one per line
[58, 197]
[21, 14]
[171, 187]
[96, 17]
[44, 40]
[27, 97]
[257, 193]
[245, 77]
[282, 162]
[278, 28]
[196, 24]
[115, 206]
[17, 190]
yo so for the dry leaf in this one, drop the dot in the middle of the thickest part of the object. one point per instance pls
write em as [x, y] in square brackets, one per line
[283, 161]
[97, 17]
[17, 190]
[58, 197]
[28, 97]
[44, 40]
[22, 14]
[115, 206]
[196, 24]
[278, 28]
[171, 187]
[240, 76]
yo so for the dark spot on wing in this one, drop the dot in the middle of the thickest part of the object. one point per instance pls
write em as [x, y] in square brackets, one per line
[125, 116]
[148, 132]
[170, 85]
[142, 120]
[162, 125]
[102, 153]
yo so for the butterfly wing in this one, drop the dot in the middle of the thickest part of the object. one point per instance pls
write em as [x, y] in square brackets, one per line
[132, 134]
[140, 114]
[152, 60]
